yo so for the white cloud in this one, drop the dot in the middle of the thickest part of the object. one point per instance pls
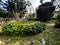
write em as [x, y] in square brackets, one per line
[36, 3]
[47, 1]
[4, 0]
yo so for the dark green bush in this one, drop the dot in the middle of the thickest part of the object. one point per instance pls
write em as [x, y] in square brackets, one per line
[45, 11]
[57, 42]
[17, 28]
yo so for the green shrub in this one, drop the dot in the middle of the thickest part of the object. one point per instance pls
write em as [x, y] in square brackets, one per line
[57, 42]
[17, 28]
[45, 11]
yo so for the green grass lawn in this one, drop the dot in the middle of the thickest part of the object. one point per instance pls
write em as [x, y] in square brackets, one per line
[19, 40]
[51, 36]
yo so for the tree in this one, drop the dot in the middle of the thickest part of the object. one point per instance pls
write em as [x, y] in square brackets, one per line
[20, 8]
[29, 11]
[52, 1]
[2, 9]
[41, 1]
[45, 11]
[15, 7]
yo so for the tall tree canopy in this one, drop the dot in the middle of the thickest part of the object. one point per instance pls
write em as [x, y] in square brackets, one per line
[45, 11]
[13, 6]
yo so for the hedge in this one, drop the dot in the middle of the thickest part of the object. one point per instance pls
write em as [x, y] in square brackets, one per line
[17, 28]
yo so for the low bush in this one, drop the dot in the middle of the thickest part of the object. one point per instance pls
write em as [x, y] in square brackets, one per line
[25, 28]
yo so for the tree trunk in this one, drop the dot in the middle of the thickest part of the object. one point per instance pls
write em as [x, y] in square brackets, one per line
[16, 16]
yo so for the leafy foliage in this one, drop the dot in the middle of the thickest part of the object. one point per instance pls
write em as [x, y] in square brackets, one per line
[11, 7]
[25, 28]
[45, 11]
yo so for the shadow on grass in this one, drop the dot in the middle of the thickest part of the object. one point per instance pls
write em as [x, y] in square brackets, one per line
[22, 40]
[21, 35]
